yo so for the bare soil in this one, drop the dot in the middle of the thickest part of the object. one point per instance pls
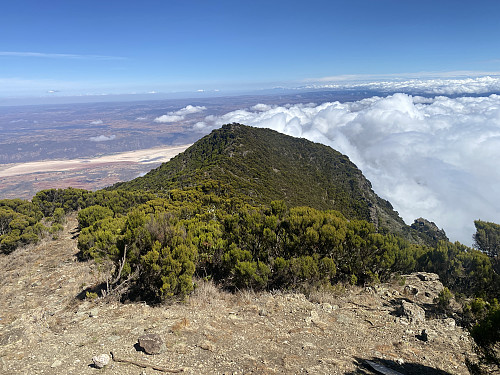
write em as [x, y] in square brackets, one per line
[153, 155]
[46, 329]
[26, 179]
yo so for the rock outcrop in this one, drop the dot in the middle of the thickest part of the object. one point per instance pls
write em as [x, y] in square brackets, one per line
[152, 343]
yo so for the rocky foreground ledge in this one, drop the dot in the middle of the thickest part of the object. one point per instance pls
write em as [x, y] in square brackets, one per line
[45, 329]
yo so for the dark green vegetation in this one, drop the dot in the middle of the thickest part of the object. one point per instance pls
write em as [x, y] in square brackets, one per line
[19, 224]
[264, 247]
[487, 239]
[485, 331]
[23, 222]
[251, 208]
[260, 165]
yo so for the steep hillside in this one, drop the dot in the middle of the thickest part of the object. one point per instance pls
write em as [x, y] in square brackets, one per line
[265, 165]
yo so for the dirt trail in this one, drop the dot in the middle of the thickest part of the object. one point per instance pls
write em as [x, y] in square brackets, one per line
[44, 329]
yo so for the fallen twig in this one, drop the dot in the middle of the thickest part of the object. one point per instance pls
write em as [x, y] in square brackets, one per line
[122, 263]
[365, 307]
[144, 365]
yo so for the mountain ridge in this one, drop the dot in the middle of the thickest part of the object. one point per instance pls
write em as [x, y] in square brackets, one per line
[266, 165]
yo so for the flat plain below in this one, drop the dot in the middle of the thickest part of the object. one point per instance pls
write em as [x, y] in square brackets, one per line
[23, 180]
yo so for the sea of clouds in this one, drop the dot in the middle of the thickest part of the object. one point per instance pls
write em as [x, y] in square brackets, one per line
[437, 158]
[436, 86]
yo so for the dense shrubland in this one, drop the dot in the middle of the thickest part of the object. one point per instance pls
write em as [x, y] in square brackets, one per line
[23, 222]
[157, 244]
[261, 165]
[239, 245]
[20, 224]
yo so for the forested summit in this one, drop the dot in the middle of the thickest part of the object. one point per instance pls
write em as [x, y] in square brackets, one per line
[261, 165]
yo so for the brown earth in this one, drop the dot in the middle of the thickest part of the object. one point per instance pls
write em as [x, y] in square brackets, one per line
[45, 329]
[26, 179]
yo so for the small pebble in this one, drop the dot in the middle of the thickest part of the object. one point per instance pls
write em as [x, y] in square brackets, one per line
[56, 363]
[101, 360]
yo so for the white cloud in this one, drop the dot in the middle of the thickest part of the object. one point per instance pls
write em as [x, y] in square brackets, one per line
[261, 107]
[435, 86]
[200, 125]
[189, 109]
[180, 114]
[169, 118]
[435, 158]
[96, 122]
[102, 138]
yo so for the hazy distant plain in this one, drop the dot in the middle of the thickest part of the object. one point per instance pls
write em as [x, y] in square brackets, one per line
[61, 145]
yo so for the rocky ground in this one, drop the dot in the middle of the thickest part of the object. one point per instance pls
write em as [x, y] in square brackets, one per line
[46, 329]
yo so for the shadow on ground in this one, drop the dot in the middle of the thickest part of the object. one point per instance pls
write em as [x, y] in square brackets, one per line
[96, 289]
[393, 368]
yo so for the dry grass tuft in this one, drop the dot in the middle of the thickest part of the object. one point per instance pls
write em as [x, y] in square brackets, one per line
[180, 325]
[207, 293]
[326, 294]
[246, 297]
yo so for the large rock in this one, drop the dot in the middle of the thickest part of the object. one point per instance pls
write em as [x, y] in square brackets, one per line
[152, 343]
[427, 276]
[423, 287]
[413, 312]
[428, 232]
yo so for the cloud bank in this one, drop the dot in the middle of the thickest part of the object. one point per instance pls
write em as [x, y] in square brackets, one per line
[433, 158]
[438, 86]
[180, 114]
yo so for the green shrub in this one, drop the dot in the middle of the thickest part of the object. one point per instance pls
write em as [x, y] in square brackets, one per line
[486, 333]
[353, 280]
[58, 215]
[253, 275]
[19, 224]
[9, 242]
[168, 272]
[476, 309]
[235, 255]
[92, 214]
[101, 240]
[443, 299]
[55, 229]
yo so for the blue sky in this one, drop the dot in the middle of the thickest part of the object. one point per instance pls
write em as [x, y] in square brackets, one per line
[95, 47]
